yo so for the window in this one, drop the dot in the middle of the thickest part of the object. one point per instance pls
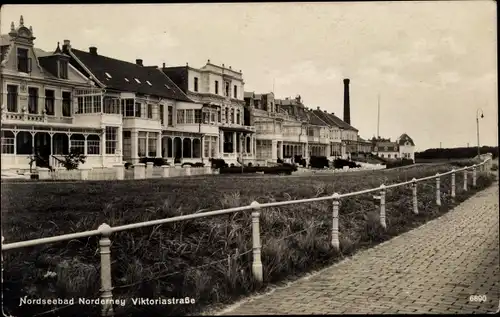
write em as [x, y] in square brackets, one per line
[137, 80]
[11, 98]
[170, 116]
[190, 116]
[213, 115]
[8, 140]
[232, 115]
[219, 115]
[206, 146]
[77, 143]
[108, 75]
[111, 139]
[216, 87]
[196, 84]
[111, 105]
[237, 116]
[142, 137]
[147, 81]
[162, 114]
[197, 116]
[227, 115]
[137, 110]
[93, 145]
[96, 104]
[152, 138]
[32, 100]
[227, 89]
[235, 91]
[66, 104]
[128, 107]
[49, 101]
[180, 116]
[63, 69]
[23, 62]
[215, 146]
[205, 116]
[150, 111]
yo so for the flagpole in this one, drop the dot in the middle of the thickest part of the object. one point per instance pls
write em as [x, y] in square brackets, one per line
[378, 117]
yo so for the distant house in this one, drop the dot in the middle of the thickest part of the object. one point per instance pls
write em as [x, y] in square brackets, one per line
[403, 147]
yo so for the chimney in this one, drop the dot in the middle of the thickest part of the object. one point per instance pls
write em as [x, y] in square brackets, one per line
[163, 65]
[93, 50]
[139, 62]
[347, 106]
[318, 109]
[66, 46]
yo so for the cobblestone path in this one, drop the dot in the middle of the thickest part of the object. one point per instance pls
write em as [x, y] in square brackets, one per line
[432, 269]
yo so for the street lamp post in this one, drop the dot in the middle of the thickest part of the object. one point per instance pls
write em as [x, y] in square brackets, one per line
[477, 129]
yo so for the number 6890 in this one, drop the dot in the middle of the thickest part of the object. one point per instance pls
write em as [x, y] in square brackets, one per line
[477, 298]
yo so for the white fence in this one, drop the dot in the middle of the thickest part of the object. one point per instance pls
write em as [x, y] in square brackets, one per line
[105, 231]
[118, 172]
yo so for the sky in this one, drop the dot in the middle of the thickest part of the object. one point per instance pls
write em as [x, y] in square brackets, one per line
[433, 63]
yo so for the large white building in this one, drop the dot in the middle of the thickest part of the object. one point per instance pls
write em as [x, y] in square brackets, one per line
[115, 111]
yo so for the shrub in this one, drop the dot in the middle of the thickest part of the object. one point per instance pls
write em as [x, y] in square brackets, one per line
[279, 161]
[218, 163]
[237, 170]
[249, 164]
[299, 160]
[198, 164]
[318, 161]
[187, 164]
[73, 160]
[398, 163]
[127, 165]
[157, 161]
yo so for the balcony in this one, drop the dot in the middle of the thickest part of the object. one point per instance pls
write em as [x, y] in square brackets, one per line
[35, 118]
[238, 126]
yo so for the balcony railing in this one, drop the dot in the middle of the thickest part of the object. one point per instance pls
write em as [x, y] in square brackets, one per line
[35, 117]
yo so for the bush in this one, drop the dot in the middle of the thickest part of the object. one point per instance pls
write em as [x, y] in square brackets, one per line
[157, 161]
[187, 164]
[237, 170]
[73, 160]
[299, 160]
[218, 163]
[127, 165]
[318, 162]
[279, 161]
[199, 164]
[398, 163]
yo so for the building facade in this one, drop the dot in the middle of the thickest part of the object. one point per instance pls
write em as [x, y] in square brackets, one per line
[402, 148]
[220, 91]
[39, 96]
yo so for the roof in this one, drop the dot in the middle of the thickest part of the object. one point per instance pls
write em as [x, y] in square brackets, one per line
[405, 138]
[317, 118]
[144, 80]
[248, 94]
[41, 53]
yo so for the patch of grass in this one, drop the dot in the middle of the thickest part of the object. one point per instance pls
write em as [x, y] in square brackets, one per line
[174, 260]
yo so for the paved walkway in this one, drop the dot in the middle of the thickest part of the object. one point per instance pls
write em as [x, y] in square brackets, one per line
[432, 269]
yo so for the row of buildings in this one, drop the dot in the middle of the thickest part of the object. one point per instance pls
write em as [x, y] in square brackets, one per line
[115, 111]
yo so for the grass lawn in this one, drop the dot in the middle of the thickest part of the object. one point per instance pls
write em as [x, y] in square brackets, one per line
[163, 260]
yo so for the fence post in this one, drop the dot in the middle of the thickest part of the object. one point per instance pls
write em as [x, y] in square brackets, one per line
[465, 178]
[106, 282]
[453, 184]
[382, 206]
[414, 190]
[120, 171]
[43, 173]
[187, 170]
[335, 222]
[474, 175]
[166, 171]
[438, 190]
[149, 169]
[139, 171]
[257, 263]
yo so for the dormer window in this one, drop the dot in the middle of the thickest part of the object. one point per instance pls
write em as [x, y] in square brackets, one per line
[147, 81]
[137, 80]
[126, 79]
[167, 86]
[108, 75]
[23, 62]
[63, 69]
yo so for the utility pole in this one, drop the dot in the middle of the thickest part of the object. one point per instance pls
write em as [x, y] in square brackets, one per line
[378, 118]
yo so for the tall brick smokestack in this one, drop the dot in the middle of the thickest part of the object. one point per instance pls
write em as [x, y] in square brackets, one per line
[347, 106]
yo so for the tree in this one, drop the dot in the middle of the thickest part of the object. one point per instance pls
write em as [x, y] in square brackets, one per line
[73, 159]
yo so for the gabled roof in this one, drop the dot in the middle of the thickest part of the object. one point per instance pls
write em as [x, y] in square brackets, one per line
[341, 123]
[405, 138]
[130, 77]
[317, 118]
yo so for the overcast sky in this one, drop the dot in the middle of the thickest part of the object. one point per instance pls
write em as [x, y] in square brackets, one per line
[433, 63]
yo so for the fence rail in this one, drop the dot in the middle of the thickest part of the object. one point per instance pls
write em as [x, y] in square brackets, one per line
[105, 231]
